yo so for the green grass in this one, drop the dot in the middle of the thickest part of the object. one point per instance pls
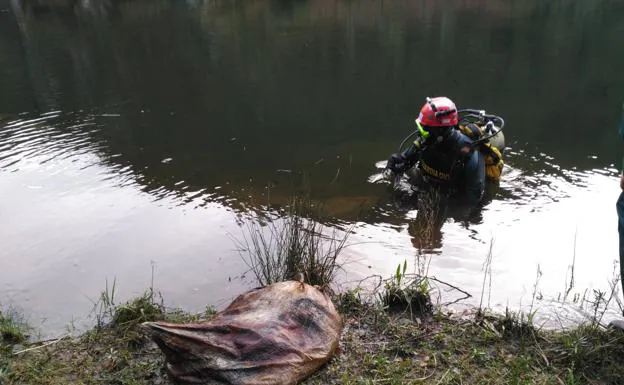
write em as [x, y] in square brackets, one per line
[491, 349]
[378, 346]
[116, 351]
[12, 328]
[406, 293]
[13, 332]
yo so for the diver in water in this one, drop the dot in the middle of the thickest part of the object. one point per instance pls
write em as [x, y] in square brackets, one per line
[442, 157]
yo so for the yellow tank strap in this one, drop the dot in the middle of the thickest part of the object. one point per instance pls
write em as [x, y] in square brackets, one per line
[493, 162]
[493, 152]
[471, 130]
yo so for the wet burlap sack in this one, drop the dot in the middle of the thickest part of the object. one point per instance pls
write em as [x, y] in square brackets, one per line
[278, 334]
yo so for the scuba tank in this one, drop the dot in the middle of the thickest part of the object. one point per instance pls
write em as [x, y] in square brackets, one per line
[486, 131]
[498, 139]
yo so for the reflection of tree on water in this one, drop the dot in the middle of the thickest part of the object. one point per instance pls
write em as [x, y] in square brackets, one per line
[426, 228]
[225, 95]
[427, 211]
[68, 8]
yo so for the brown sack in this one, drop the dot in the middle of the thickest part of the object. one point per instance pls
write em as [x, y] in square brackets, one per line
[278, 334]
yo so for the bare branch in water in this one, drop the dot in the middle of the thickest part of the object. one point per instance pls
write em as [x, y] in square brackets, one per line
[465, 293]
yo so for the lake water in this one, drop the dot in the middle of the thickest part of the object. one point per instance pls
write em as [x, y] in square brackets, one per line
[141, 133]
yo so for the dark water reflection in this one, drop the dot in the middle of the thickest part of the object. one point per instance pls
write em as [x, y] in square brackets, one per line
[138, 131]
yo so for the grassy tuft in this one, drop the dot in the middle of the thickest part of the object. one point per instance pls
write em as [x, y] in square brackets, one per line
[141, 309]
[296, 245]
[512, 325]
[149, 306]
[590, 352]
[13, 330]
[405, 293]
[350, 302]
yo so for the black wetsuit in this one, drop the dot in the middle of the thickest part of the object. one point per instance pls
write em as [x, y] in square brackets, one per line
[442, 162]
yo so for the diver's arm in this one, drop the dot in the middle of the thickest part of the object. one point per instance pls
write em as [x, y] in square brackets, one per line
[463, 144]
[400, 162]
[412, 154]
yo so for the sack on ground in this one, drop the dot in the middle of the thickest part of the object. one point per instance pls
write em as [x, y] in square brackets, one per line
[278, 334]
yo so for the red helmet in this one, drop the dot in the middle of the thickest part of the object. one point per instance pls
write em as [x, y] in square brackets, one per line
[438, 112]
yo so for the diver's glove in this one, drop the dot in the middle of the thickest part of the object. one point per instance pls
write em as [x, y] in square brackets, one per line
[397, 163]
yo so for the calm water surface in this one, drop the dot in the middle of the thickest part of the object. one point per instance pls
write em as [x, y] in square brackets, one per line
[140, 133]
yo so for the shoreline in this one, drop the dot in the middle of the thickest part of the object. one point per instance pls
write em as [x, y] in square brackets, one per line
[392, 331]
[391, 341]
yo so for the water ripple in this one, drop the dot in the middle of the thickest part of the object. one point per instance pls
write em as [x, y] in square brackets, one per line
[42, 139]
